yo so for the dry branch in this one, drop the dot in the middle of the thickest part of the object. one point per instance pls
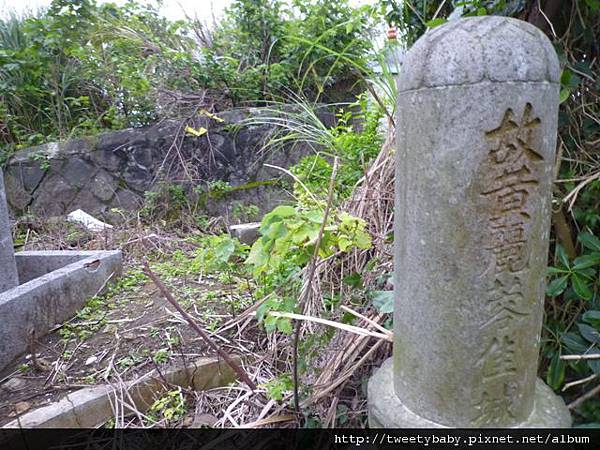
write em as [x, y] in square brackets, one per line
[189, 319]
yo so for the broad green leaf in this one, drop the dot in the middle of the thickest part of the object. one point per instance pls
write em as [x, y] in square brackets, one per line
[564, 95]
[556, 372]
[276, 230]
[383, 301]
[283, 211]
[362, 240]
[554, 270]
[258, 257]
[562, 256]
[315, 216]
[557, 286]
[270, 323]
[593, 318]
[574, 343]
[589, 333]
[586, 261]
[344, 243]
[284, 325]
[589, 241]
[594, 364]
[581, 288]
[224, 250]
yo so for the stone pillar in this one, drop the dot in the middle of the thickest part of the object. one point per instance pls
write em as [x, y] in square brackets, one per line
[478, 107]
[8, 267]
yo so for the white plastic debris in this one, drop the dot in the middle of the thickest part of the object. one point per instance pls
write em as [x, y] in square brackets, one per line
[89, 222]
[91, 360]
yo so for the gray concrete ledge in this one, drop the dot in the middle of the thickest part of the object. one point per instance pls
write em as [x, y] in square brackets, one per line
[386, 410]
[247, 233]
[92, 407]
[50, 297]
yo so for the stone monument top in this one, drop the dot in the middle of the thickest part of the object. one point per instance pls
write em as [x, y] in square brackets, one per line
[480, 49]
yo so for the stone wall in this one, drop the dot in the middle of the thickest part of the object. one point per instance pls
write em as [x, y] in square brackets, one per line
[115, 169]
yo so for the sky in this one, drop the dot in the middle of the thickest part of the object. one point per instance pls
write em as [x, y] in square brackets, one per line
[172, 9]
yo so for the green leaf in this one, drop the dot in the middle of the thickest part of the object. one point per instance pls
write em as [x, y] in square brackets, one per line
[435, 22]
[344, 243]
[354, 280]
[284, 325]
[557, 286]
[315, 216]
[589, 241]
[224, 250]
[555, 270]
[594, 364]
[562, 256]
[270, 323]
[589, 333]
[593, 318]
[362, 240]
[581, 287]
[586, 261]
[593, 4]
[574, 343]
[258, 257]
[383, 301]
[556, 372]
[276, 230]
[564, 95]
[283, 211]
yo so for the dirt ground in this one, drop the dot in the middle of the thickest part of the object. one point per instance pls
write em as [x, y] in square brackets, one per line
[121, 334]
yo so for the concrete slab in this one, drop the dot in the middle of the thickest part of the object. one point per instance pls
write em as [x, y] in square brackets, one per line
[56, 285]
[91, 407]
[247, 233]
[8, 269]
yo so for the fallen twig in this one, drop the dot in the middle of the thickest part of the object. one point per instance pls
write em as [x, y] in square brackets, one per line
[228, 359]
[388, 336]
[578, 357]
[578, 401]
[311, 272]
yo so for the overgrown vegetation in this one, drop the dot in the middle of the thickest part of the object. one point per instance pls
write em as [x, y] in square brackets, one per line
[81, 68]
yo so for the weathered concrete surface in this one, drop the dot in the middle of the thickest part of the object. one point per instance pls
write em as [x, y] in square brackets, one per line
[8, 268]
[478, 106]
[246, 233]
[92, 407]
[50, 298]
[548, 409]
[34, 264]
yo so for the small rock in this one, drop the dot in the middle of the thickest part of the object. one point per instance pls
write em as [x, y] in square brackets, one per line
[204, 420]
[247, 233]
[91, 360]
[14, 384]
[21, 407]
